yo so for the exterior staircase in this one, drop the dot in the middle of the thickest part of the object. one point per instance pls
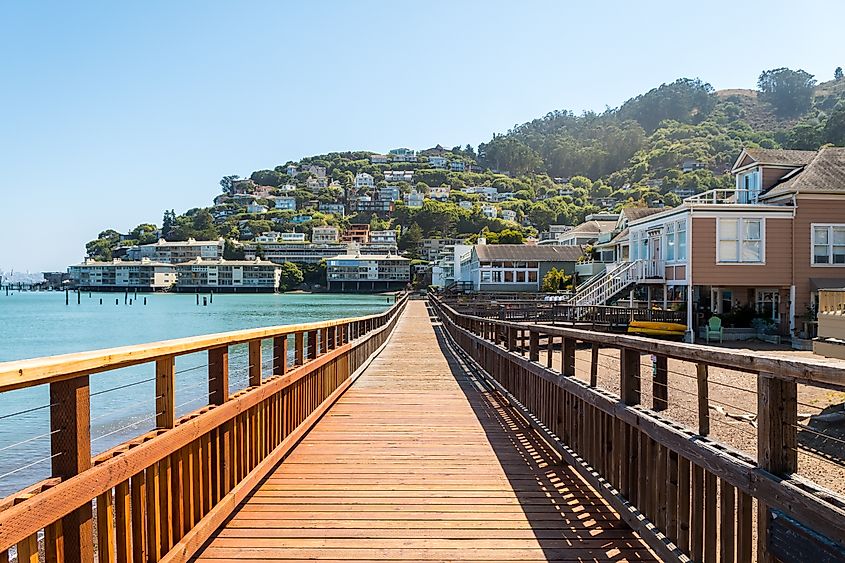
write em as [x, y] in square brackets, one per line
[600, 289]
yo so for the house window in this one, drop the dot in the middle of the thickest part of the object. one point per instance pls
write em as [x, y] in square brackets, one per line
[740, 241]
[681, 254]
[532, 276]
[520, 277]
[749, 186]
[497, 276]
[485, 277]
[829, 245]
[670, 242]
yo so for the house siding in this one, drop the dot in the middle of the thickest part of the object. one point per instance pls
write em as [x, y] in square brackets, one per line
[775, 272]
[813, 209]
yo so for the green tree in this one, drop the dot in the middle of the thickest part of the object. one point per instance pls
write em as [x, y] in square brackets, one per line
[411, 239]
[834, 128]
[232, 250]
[555, 280]
[228, 183]
[510, 236]
[291, 276]
[789, 91]
[837, 74]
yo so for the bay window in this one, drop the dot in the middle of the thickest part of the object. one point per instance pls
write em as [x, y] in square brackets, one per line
[740, 241]
[828, 245]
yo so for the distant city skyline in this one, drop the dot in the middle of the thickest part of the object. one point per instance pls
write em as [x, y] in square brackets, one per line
[113, 113]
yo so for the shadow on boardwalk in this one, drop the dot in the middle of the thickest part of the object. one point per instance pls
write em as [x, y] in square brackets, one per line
[569, 519]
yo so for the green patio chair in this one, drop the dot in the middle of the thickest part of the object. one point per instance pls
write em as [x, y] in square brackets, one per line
[714, 329]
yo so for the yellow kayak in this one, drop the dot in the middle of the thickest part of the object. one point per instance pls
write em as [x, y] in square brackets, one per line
[652, 328]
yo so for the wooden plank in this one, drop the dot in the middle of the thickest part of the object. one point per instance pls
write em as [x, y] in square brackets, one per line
[138, 487]
[165, 398]
[744, 528]
[218, 375]
[70, 425]
[711, 531]
[280, 355]
[660, 391]
[123, 523]
[629, 376]
[727, 522]
[105, 528]
[701, 375]
[697, 514]
[299, 348]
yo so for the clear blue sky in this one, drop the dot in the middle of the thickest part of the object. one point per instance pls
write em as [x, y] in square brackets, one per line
[111, 112]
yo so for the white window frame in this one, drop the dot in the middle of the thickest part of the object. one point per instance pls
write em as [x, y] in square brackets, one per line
[830, 227]
[740, 240]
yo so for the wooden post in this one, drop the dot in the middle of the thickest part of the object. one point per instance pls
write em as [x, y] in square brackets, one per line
[218, 375]
[594, 365]
[298, 348]
[165, 392]
[280, 355]
[70, 425]
[312, 344]
[511, 338]
[567, 357]
[777, 441]
[324, 340]
[660, 389]
[533, 345]
[629, 384]
[703, 400]
[254, 363]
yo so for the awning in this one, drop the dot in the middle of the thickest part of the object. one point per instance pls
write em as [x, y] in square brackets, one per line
[827, 283]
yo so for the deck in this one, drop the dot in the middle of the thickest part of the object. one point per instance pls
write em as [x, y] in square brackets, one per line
[420, 461]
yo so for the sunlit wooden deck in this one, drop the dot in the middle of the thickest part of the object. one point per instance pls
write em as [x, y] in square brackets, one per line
[418, 461]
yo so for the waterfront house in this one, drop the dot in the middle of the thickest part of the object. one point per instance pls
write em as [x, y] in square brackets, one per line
[508, 214]
[228, 276]
[395, 176]
[403, 155]
[291, 170]
[172, 252]
[769, 244]
[357, 233]
[360, 272]
[255, 207]
[414, 199]
[489, 211]
[363, 181]
[333, 208]
[587, 232]
[383, 237]
[515, 267]
[438, 162]
[379, 159]
[284, 203]
[457, 166]
[389, 193]
[323, 235]
[489, 193]
[120, 275]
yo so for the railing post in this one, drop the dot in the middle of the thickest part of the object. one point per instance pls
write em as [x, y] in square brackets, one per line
[567, 357]
[703, 399]
[254, 363]
[533, 345]
[299, 348]
[629, 384]
[70, 441]
[280, 354]
[324, 340]
[594, 365]
[218, 375]
[660, 385]
[165, 392]
[777, 440]
[312, 344]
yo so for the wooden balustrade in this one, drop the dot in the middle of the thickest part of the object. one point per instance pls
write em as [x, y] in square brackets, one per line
[159, 497]
[690, 497]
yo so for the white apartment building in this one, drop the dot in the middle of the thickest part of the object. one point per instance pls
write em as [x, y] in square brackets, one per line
[228, 276]
[363, 181]
[358, 272]
[119, 275]
[172, 252]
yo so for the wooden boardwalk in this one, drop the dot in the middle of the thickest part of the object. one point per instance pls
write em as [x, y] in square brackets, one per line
[418, 461]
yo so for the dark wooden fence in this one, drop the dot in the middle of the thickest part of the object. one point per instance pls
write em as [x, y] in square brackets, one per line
[688, 495]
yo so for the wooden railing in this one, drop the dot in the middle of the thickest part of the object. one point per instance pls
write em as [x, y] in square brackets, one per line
[160, 496]
[556, 312]
[690, 496]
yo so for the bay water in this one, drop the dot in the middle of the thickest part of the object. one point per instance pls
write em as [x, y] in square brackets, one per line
[36, 324]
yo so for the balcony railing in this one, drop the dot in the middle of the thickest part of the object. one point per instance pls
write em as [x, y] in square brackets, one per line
[723, 196]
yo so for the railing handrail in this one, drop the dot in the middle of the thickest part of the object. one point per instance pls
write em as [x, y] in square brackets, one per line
[802, 370]
[30, 372]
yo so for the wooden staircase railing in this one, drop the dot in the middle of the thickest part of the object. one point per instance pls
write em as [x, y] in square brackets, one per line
[160, 496]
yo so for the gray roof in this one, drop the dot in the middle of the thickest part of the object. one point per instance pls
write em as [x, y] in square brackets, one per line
[781, 156]
[544, 253]
[634, 213]
[825, 173]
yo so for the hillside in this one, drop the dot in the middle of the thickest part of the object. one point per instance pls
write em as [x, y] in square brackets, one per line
[670, 142]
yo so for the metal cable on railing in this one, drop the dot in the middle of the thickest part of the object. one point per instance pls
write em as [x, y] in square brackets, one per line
[28, 465]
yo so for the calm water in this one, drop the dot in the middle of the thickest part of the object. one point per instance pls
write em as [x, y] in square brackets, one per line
[122, 402]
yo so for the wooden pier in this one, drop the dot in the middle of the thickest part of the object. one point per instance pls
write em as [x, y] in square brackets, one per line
[423, 434]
